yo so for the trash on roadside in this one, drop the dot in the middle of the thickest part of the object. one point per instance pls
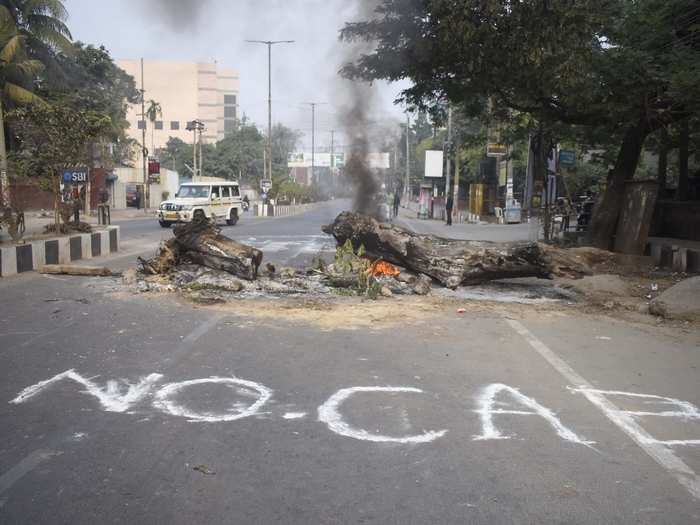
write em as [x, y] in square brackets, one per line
[204, 470]
[461, 310]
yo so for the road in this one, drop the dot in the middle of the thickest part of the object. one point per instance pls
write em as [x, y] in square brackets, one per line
[134, 408]
[289, 241]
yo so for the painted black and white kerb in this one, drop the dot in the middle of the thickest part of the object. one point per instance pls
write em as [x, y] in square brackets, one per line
[30, 256]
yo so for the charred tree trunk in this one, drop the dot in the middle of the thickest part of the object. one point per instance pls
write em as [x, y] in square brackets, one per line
[607, 210]
[200, 242]
[453, 262]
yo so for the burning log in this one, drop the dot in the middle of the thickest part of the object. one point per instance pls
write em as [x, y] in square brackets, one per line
[453, 262]
[201, 242]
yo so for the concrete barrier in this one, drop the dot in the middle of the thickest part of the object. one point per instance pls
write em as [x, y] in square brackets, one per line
[270, 210]
[27, 257]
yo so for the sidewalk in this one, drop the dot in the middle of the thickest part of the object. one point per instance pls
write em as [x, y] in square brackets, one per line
[471, 232]
[35, 224]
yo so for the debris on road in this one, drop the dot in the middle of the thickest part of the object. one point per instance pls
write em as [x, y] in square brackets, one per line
[74, 269]
[453, 262]
[201, 242]
[204, 470]
[382, 261]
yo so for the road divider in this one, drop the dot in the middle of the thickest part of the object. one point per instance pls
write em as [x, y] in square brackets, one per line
[31, 255]
[275, 210]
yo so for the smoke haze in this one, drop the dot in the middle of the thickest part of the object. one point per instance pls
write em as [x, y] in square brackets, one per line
[178, 14]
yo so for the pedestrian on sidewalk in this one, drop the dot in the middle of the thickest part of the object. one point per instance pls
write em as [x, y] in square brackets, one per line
[448, 209]
[397, 202]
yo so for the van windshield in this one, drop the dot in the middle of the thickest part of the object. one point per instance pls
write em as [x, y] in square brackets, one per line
[193, 192]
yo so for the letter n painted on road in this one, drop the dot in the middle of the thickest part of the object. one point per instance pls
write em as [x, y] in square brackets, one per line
[115, 396]
[487, 403]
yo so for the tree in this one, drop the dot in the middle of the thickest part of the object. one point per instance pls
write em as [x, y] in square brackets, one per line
[628, 67]
[91, 80]
[153, 112]
[31, 32]
[52, 136]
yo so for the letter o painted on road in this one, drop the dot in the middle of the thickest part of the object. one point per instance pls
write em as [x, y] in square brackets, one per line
[163, 399]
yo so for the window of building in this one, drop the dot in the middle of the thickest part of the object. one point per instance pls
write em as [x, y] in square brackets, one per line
[174, 124]
[230, 100]
[159, 124]
[229, 111]
[229, 125]
[141, 124]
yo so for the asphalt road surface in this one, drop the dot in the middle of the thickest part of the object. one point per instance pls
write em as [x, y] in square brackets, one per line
[290, 241]
[134, 408]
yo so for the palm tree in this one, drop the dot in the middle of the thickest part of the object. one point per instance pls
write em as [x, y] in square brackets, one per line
[31, 32]
[152, 113]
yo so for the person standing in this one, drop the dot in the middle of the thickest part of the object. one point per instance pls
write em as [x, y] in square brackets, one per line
[397, 202]
[448, 209]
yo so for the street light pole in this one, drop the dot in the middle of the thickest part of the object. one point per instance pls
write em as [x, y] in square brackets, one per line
[144, 151]
[267, 167]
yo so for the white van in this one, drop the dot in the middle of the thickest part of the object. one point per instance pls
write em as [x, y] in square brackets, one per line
[213, 200]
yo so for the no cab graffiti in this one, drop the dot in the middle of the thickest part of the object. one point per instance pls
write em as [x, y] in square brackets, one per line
[491, 403]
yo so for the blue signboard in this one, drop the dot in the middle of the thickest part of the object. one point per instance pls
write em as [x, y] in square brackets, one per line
[75, 176]
[567, 158]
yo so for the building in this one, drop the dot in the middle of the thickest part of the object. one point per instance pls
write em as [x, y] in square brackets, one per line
[185, 91]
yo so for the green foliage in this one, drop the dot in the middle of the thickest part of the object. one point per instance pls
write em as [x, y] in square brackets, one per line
[53, 135]
[32, 33]
[91, 81]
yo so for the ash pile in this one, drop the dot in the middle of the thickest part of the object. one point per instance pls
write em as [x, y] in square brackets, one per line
[373, 260]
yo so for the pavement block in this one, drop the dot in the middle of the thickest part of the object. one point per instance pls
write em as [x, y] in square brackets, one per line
[86, 245]
[8, 261]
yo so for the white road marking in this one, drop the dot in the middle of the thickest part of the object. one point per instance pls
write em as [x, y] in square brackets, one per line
[294, 415]
[164, 402]
[687, 411]
[25, 466]
[329, 414]
[487, 400]
[662, 454]
[112, 396]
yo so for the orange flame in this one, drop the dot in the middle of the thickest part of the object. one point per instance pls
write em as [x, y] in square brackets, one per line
[380, 267]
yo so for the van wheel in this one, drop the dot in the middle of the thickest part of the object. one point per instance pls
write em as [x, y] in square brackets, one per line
[199, 215]
[233, 217]
[165, 224]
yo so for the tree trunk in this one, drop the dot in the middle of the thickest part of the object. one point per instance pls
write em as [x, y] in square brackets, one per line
[4, 178]
[663, 160]
[201, 243]
[453, 262]
[682, 191]
[607, 210]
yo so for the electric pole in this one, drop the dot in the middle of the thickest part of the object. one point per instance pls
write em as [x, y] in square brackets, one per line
[313, 137]
[144, 151]
[267, 167]
[448, 149]
[407, 183]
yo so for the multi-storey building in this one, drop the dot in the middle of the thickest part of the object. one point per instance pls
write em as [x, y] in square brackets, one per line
[185, 91]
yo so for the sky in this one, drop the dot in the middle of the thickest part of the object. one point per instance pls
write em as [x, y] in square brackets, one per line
[216, 30]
